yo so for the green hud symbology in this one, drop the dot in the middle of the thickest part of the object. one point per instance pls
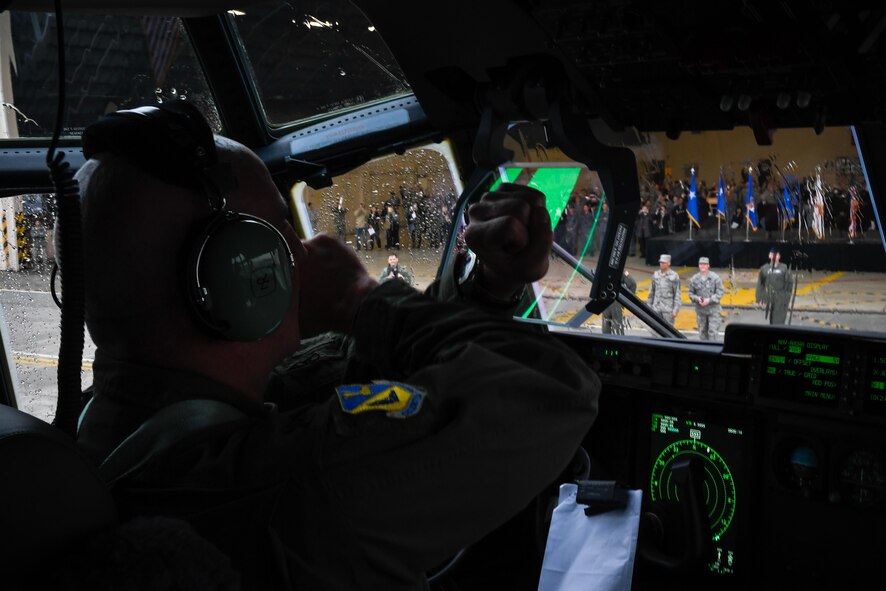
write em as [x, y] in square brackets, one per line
[557, 183]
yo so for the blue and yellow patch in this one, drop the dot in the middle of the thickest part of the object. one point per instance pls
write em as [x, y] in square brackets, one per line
[400, 401]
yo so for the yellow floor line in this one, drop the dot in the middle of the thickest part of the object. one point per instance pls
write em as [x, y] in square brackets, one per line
[820, 282]
[686, 319]
[743, 296]
[44, 361]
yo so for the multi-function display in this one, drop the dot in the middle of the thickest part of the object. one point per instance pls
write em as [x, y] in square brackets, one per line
[802, 370]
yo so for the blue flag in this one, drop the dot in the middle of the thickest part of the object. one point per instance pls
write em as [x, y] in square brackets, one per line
[751, 211]
[788, 204]
[692, 206]
[721, 201]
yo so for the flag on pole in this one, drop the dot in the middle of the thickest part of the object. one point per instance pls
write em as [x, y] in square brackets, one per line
[751, 210]
[721, 201]
[788, 204]
[692, 206]
[818, 207]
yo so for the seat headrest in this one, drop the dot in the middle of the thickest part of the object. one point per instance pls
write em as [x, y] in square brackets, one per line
[51, 495]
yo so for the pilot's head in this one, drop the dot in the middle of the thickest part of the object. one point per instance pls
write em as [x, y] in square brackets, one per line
[664, 262]
[139, 231]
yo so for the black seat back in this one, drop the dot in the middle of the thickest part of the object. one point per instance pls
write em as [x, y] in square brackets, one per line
[51, 495]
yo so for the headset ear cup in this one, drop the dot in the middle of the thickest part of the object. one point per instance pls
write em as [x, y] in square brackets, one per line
[240, 277]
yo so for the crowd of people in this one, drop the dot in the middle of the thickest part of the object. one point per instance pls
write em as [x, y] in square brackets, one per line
[582, 224]
[413, 219]
[846, 210]
[408, 218]
[664, 210]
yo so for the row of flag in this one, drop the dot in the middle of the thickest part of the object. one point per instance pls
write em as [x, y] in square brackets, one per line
[786, 202]
[692, 204]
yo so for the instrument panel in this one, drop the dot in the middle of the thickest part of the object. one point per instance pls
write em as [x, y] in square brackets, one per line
[787, 426]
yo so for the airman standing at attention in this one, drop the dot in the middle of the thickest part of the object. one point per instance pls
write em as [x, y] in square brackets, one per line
[775, 287]
[664, 294]
[705, 291]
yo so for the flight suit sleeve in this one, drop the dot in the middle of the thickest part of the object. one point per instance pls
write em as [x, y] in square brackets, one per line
[761, 286]
[789, 284]
[504, 409]
[650, 299]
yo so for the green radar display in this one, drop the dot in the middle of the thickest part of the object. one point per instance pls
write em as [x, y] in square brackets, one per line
[719, 487]
[718, 448]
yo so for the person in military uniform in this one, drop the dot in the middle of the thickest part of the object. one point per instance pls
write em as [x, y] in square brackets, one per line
[705, 291]
[613, 316]
[395, 270]
[664, 294]
[371, 480]
[775, 288]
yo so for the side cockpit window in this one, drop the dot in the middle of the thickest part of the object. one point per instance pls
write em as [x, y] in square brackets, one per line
[27, 226]
[112, 62]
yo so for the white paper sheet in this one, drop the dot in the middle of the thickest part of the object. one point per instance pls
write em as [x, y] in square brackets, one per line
[594, 552]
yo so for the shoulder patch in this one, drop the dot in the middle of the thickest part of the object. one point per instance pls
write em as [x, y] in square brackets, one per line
[399, 401]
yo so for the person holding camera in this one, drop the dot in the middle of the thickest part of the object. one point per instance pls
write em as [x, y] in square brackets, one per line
[395, 271]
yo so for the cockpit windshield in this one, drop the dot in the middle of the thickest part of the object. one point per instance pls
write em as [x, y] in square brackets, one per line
[712, 199]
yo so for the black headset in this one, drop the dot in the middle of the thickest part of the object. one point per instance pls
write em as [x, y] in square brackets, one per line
[238, 276]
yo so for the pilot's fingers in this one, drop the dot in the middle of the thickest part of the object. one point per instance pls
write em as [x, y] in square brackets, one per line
[506, 186]
[501, 205]
[511, 267]
[496, 236]
[507, 196]
[532, 195]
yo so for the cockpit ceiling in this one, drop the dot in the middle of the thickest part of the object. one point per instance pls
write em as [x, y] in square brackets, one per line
[665, 66]
[713, 65]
